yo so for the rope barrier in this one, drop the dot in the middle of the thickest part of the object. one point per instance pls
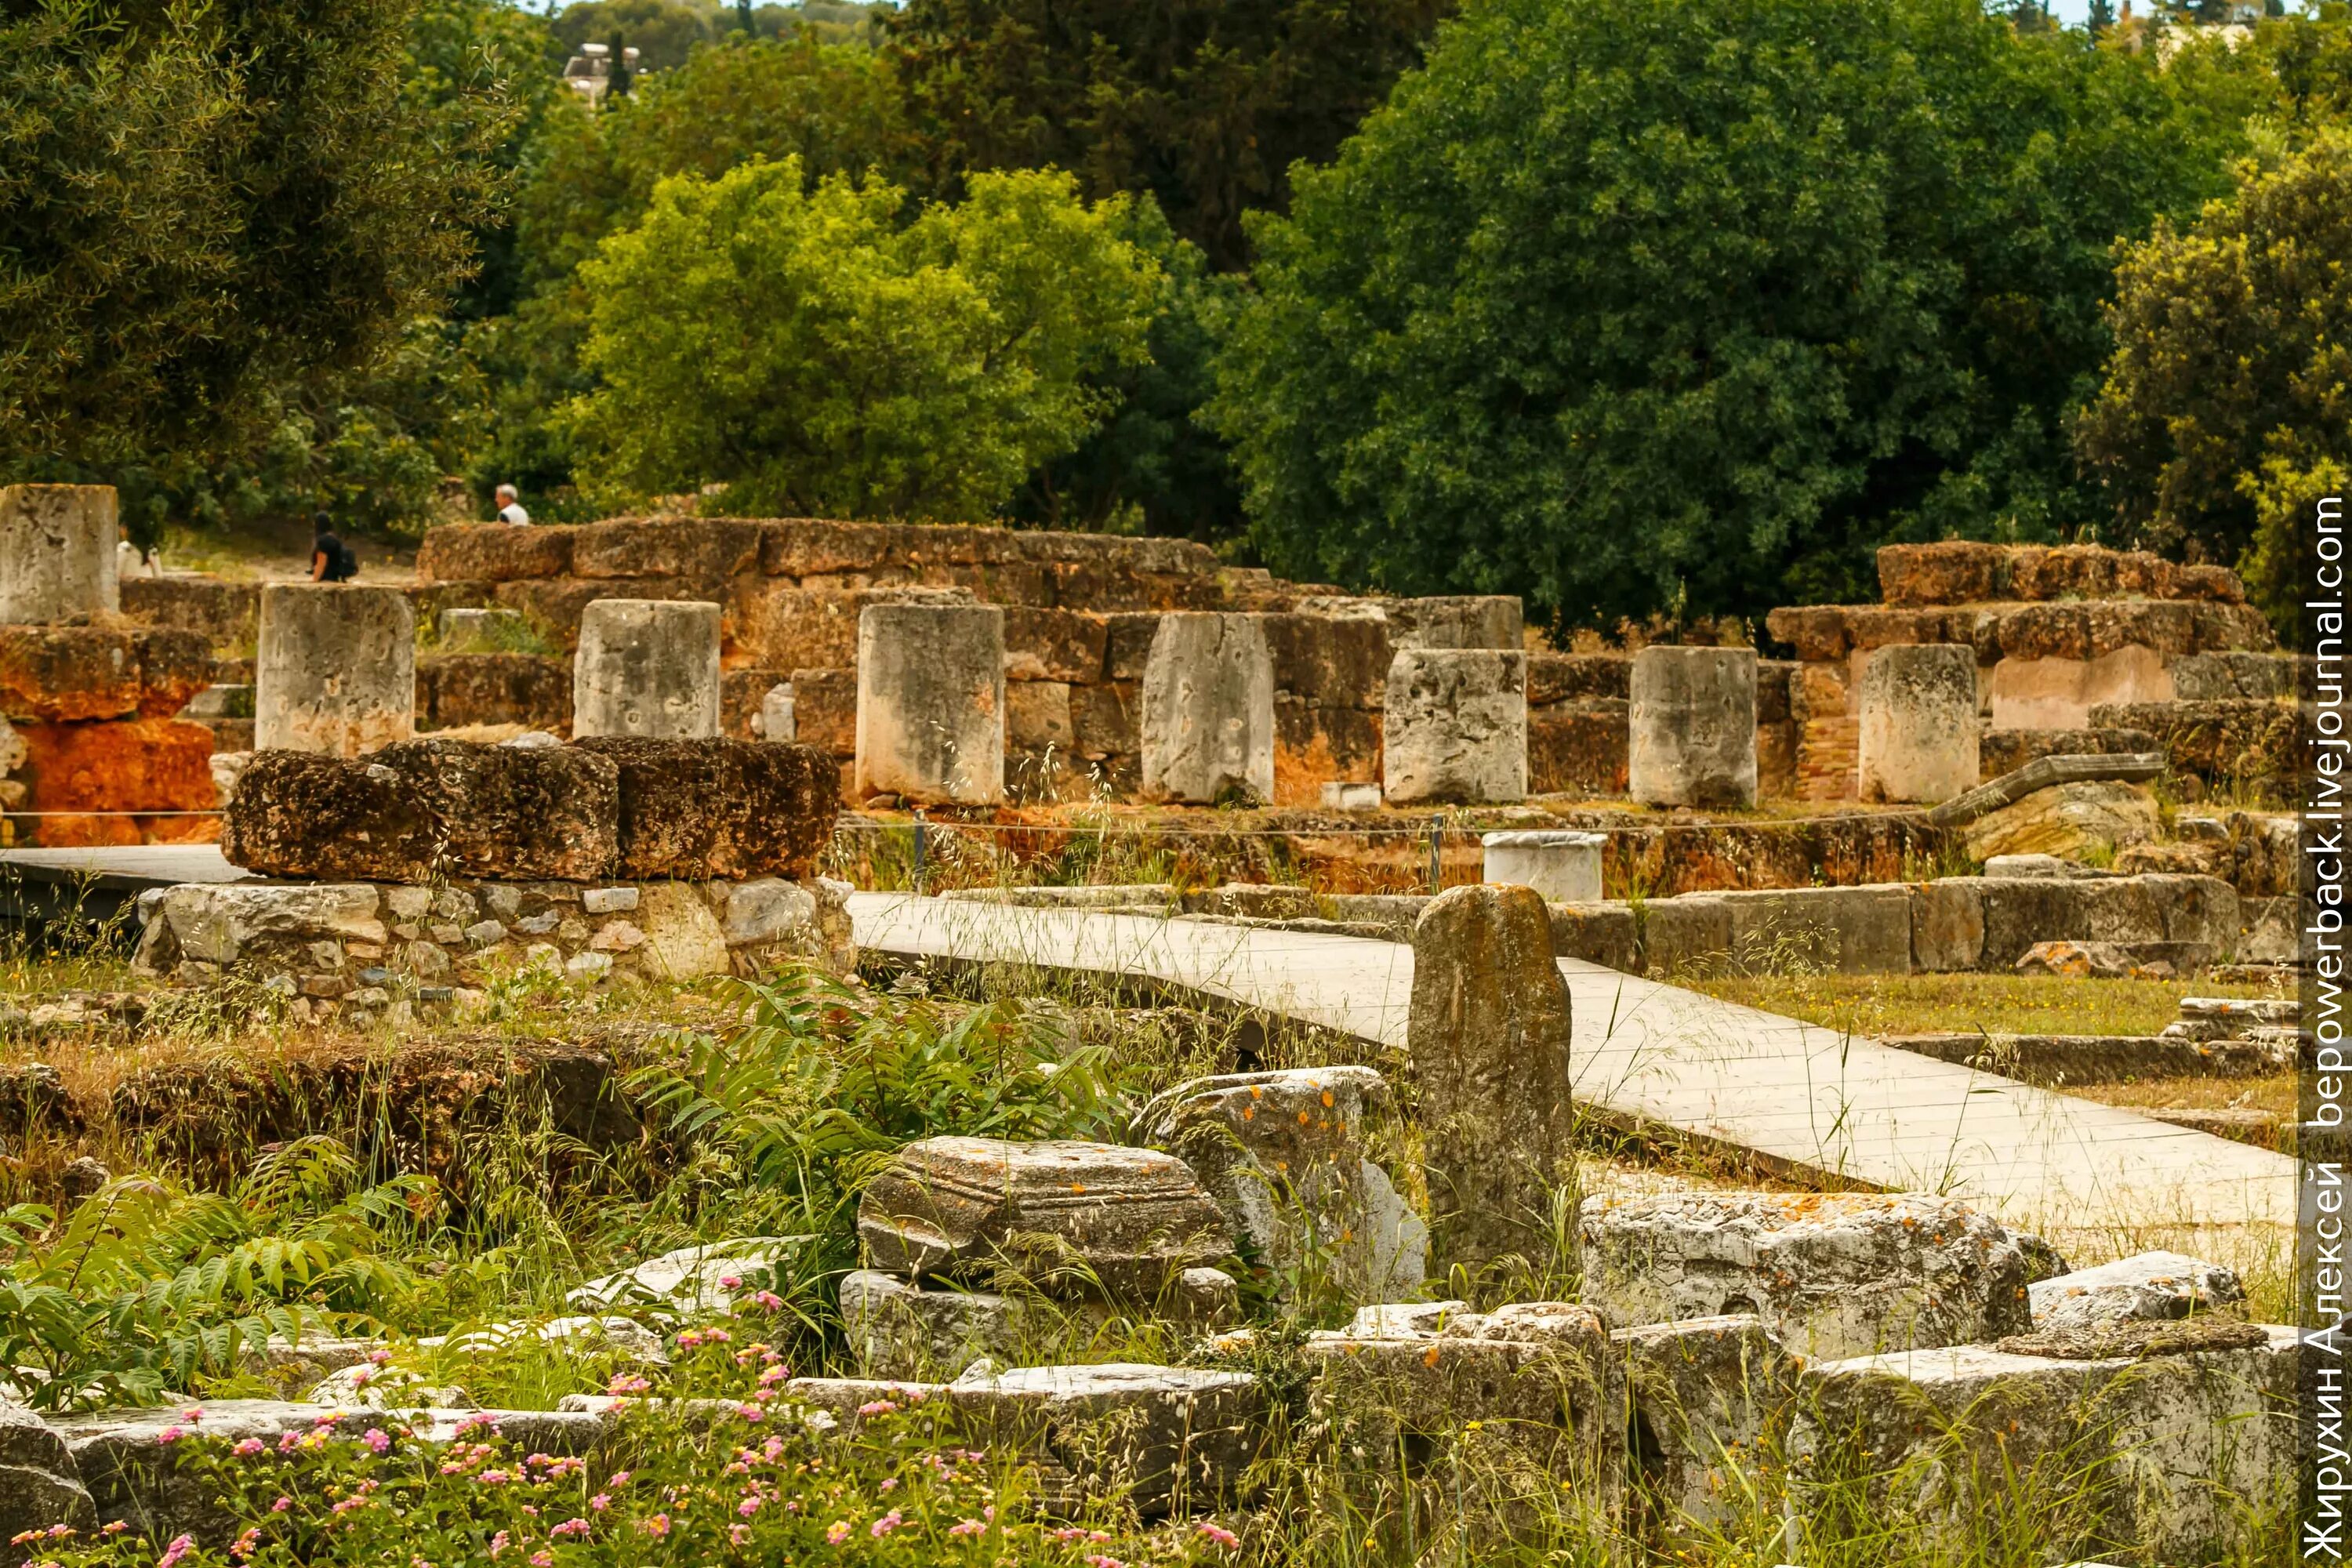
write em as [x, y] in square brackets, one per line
[1414, 830]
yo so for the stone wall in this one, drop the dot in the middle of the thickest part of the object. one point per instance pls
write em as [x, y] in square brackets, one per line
[1579, 706]
[2057, 632]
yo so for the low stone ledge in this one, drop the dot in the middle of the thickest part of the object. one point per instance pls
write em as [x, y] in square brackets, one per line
[2057, 1060]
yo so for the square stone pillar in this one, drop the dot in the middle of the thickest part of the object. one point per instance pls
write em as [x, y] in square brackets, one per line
[1455, 727]
[647, 667]
[1564, 867]
[1691, 739]
[58, 557]
[778, 720]
[335, 672]
[1919, 727]
[930, 703]
[1208, 711]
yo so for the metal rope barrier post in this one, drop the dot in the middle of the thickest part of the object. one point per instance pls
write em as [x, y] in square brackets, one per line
[1436, 862]
[922, 826]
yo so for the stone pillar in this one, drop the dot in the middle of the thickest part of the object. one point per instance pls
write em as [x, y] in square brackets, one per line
[778, 720]
[1692, 736]
[647, 667]
[1208, 711]
[1919, 722]
[1457, 726]
[1565, 867]
[335, 672]
[1488, 1035]
[58, 557]
[930, 703]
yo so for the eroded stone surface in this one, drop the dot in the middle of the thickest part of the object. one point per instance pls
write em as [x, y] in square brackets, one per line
[693, 1281]
[1455, 726]
[57, 560]
[895, 1328]
[701, 809]
[2147, 1285]
[1208, 711]
[1832, 1274]
[1070, 1216]
[1692, 740]
[647, 668]
[1700, 1398]
[1918, 740]
[336, 668]
[2066, 819]
[40, 1484]
[932, 702]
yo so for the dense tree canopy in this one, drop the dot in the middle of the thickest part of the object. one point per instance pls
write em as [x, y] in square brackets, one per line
[2227, 410]
[1205, 104]
[820, 356]
[1631, 304]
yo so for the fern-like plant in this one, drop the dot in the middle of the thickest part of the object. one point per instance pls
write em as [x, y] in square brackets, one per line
[149, 1286]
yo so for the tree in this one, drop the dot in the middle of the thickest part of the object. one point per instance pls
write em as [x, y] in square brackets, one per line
[1205, 104]
[1632, 305]
[2227, 409]
[205, 212]
[820, 356]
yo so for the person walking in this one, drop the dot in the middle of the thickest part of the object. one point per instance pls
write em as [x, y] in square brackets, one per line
[510, 506]
[331, 559]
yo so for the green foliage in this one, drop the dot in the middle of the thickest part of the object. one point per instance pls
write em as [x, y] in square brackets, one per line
[822, 357]
[147, 1287]
[2227, 411]
[1205, 104]
[1643, 304]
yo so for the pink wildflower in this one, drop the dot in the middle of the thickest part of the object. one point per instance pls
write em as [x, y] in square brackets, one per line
[282, 1505]
[739, 1534]
[571, 1527]
[247, 1447]
[878, 1408]
[181, 1546]
[600, 1502]
[170, 1434]
[375, 1439]
[542, 1560]
[969, 1527]
[836, 1533]
[1224, 1538]
[498, 1542]
[242, 1548]
[657, 1526]
[886, 1524]
[731, 1281]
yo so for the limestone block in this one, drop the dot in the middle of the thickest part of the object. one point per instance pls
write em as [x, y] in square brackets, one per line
[1691, 932]
[74, 673]
[765, 909]
[647, 668]
[1207, 720]
[2147, 1285]
[1832, 1275]
[40, 1484]
[1691, 738]
[959, 1206]
[460, 623]
[218, 922]
[1578, 747]
[898, 1329]
[336, 669]
[1850, 930]
[1461, 621]
[932, 702]
[493, 553]
[691, 1282]
[1699, 1398]
[1602, 933]
[1564, 867]
[778, 721]
[1284, 1154]
[1488, 1035]
[454, 691]
[57, 559]
[1404, 1319]
[1948, 931]
[701, 548]
[117, 764]
[683, 940]
[2067, 820]
[695, 810]
[1167, 1439]
[1919, 736]
[2149, 1452]
[1456, 728]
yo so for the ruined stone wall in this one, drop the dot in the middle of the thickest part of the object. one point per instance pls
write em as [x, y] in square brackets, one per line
[1579, 709]
[2057, 632]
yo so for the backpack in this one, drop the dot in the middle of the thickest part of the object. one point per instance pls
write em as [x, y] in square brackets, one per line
[342, 564]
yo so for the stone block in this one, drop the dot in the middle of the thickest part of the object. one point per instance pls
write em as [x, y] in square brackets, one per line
[1919, 736]
[2068, 820]
[1455, 727]
[2245, 743]
[1330, 660]
[1848, 930]
[698, 548]
[1128, 643]
[1315, 746]
[1692, 727]
[2156, 1455]
[57, 557]
[1600, 933]
[73, 673]
[1951, 571]
[1578, 677]
[962, 1208]
[1488, 1036]
[1037, 718]
[682, 938]
[1053, 645]
[790, 628]
[1579, 748]
[647, 668]
[493, 553]
[1832, 1275]
[457, 689]
[2225, 676]
[778, 720]
[225, 614]
[1207, 718]
[40, 1484]
[1948, 927]
[931, 703]
[2001, 752]
[695, 810]
[1460, 621]
[1165, 1439]
[1690, 933]
[898, 1329]
[1563, 867]
[824, 710]
[336, 669]
[121, 764]
[222, 922]
[1698, 1400]
[1105, 718]
[2158, 1286]
[1284, 1154]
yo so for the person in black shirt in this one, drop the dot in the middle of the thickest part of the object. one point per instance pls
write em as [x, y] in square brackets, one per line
[331, 559]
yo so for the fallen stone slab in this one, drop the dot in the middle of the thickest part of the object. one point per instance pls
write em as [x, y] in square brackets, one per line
[896, 1329]
[2147, 1285]
[1404, 1319]
[1284, 1154]
[2228, 1017]
[2162, 1453]
[2043, 772]
[2114, 960]
[1167, 1439]
[2053, 1060]
[1072, 1217]
[1832, 1275]
[2073, 819]
[691, 1282]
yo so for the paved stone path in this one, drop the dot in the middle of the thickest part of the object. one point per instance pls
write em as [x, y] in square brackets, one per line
[1808, 1099]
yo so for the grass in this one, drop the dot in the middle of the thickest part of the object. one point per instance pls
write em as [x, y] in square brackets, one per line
[1880, 1005]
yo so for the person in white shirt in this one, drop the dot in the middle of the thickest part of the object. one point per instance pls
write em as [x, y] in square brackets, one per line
[510, 506]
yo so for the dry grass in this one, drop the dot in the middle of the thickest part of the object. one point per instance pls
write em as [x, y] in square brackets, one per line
[2275, 1095]
[1881, 1004]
